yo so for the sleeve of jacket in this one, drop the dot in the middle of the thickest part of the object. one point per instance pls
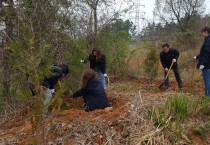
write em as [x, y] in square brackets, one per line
[162, 61]
[86, 59]
[176, 54]
[79, 93]
[197, 57]
[46, 83]
[203, 59]
[49, 82]
[103, 64]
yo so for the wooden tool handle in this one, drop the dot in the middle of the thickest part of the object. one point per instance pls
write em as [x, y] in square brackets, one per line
[169, 69]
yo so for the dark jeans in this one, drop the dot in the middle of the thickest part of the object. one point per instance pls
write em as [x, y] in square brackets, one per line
[206, 78]
[177, 76]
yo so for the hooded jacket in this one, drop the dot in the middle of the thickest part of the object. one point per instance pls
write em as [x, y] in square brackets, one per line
[57, 72]
[94, 95]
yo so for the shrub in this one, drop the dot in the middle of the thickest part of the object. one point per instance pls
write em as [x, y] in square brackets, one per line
[151, 64]
[179, 106]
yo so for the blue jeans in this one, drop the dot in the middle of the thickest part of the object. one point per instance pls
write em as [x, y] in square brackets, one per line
[206, 78]
[102, 77]
[48, 98]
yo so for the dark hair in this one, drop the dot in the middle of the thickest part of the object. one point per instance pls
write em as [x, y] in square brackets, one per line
[165, 45]
[64, 68]
[88, 75]
[206, 29]
[98, 54]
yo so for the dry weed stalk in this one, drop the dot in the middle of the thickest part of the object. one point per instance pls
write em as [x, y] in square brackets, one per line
[145, 133]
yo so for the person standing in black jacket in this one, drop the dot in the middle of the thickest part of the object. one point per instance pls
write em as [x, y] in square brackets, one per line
[98, 64]
[167, 56]
[204, 59]
[92, 92]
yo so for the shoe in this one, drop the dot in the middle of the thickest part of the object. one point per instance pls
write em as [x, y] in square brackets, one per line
[166, 87]
[47, 115]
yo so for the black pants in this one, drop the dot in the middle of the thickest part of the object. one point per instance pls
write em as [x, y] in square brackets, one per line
[177, 76]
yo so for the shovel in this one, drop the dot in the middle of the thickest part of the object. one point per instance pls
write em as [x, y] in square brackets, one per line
[107, 80]
[163, 85]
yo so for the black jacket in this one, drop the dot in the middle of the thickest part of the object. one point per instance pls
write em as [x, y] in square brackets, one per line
[94, 95]
[101, 64]
[50, 82]
[204, 56]
[166, 58]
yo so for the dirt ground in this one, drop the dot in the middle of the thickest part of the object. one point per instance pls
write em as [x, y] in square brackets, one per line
[118, 126]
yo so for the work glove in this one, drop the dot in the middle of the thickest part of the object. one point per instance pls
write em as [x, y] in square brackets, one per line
[105, 75]
[166, 69]
[174, 60]
[52, 91]
[82, 61]
[195, 57]
[201, 67]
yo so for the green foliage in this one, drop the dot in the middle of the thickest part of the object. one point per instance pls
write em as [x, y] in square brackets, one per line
[30, 56]
[36, 110]
[159, 116]
[121, 25]
[173, 114]
[115, 45]
[186, 40]
[202, 130]
[76, 67]
[179, 106]
[57, 101]
[206, 105]
[151, 62]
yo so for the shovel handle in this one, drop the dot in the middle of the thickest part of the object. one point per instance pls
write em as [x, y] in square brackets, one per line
[107, 80]
[193, 70]
[169, 69]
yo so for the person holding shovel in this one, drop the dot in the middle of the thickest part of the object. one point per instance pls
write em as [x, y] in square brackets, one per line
[92, 92]
[204, 59]
[98, 64]
[168, 58]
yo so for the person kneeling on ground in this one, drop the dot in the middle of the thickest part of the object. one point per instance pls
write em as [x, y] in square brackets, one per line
[92, 92]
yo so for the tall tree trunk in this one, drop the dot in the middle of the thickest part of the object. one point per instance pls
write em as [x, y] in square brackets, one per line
[95, 22]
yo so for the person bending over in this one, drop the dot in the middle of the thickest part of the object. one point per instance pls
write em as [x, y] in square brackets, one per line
[167, 56]
[57, 73]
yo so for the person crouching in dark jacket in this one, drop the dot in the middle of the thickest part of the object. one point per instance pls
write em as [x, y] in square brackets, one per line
[92, 92]
[57, 72]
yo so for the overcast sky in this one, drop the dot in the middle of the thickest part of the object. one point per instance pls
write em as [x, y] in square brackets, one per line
[149, 7]
[148, 11]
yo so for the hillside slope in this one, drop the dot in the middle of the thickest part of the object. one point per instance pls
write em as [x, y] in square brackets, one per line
[128, 123]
